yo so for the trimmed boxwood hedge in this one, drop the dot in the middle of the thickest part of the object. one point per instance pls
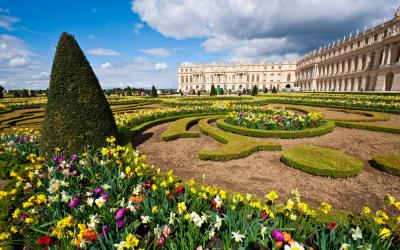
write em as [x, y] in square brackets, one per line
[322, 161]
[369, 126]
[326, 127]
[387, 163]
[370, 116]
[179, 129]
[236, 146]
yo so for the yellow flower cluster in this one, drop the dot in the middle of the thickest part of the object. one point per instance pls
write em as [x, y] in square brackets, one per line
[62, 224]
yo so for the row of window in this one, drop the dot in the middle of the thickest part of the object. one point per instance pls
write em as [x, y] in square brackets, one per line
[253, 78]
[244, 69]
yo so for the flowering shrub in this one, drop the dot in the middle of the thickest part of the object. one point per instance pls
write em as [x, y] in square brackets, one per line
[275, 119]
[111, 198]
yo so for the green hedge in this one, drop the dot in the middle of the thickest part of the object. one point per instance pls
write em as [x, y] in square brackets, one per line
[126, 135]
[179, 129]
[369, 126]
[322, 161]
[235, 147]
[370, 116]
[325, 128]
[387, 163]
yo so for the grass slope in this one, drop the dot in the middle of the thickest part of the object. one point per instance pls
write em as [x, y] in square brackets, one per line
[235, 147]
[322, 161]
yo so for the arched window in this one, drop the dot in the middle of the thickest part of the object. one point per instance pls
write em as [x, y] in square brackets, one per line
[288, 77]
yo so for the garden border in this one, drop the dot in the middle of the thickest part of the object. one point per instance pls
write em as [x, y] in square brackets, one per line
[372, 127]
[381, 162]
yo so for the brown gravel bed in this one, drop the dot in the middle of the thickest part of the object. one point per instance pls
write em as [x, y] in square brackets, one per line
[262, 172]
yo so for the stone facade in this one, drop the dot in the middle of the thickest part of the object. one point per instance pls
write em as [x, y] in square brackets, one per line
[235, 77]
[367, 61]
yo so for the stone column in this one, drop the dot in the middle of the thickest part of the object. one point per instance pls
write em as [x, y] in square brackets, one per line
[343, 88]
[380, 83]
[356, 87]
[389, 56]
[396, 82]
[363, 83]
[384, 56]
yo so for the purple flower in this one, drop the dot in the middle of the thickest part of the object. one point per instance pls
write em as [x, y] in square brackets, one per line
[58, 158]
[105, 230]
[73, 202]
[277, 235]
[16, 139]
[120, 223]
[74, 158]
[26, 139]
[120, 214]
[106, 196]
[98, 191]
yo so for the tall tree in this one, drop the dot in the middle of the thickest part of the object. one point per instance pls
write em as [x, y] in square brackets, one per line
[213, 91]
[1, 92]
[153, 92]
[254, 91]
[77, 112]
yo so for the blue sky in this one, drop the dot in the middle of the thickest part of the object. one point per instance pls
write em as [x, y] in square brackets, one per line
[140, 43]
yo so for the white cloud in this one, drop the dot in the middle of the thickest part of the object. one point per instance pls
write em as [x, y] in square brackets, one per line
[7, 22]
[106, 65]
[4, 10]
[161, 52]
[19, 65]
[19, 61]
[138, 27]
[103, 52]
[138, 72]
[261, 28]
[160, 66]
[91, 36]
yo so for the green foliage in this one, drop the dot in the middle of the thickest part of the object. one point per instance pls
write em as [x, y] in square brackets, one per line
[387, 163]
[322, 161]
[25, 93]
[254, 91]
[179, 129]
[1, 92]
[77, 113]
[274, 91]
[370, 126]
[128, 91]
[235, 147]
[324, 128]
[16, 94]
[153, 92]
[213, 91]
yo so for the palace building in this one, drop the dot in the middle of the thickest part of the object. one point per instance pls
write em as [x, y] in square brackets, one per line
[235, 77]
[367, 61]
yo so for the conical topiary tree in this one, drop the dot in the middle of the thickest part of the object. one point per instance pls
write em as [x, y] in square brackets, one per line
[213, 91]
[254, 91]
[77, 112]
[153, 92]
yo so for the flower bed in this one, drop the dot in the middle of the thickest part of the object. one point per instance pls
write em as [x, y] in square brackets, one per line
[111, 198]
[275, 119]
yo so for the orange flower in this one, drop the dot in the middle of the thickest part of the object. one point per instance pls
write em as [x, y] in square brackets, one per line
[287, 237]
[278, 243]
[90, 236]
[135, 198]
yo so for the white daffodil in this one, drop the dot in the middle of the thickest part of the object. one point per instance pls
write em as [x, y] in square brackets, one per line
[120, 246]
[344, 246]
[211, 234]
[100, 201]
[145, 219]
[294, 246]
[262, 232]
[90, 201]
[356, 233]
[218, 222]
[171, 218]
[237, 236]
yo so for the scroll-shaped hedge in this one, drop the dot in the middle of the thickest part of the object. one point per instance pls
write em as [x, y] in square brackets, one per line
[388, 163]
[235, 147]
